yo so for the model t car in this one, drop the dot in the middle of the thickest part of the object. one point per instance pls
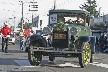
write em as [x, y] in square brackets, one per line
[68, 36]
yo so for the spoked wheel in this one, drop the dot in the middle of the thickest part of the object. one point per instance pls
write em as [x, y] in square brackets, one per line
[84, 58]
[34, 57]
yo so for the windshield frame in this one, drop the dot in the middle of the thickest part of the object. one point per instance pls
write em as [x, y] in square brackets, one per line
[84, 17]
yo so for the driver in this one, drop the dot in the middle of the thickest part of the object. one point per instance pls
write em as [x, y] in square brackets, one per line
[80, 19]
[69, 21]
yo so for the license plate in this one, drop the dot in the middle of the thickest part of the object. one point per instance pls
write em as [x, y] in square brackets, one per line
[59, 36]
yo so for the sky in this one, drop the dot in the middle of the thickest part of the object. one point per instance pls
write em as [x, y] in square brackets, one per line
[12, 8]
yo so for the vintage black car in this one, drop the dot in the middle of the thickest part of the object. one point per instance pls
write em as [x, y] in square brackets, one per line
[69, 36]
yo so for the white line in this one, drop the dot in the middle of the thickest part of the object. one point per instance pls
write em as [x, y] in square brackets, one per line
[24, 63]
[31, 66]
[68, 64]
[100, 64]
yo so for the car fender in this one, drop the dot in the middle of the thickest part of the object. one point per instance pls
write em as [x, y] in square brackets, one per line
[84, 38]
[39, 38]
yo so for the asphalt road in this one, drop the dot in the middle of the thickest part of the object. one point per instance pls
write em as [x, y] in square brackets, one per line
[16, 60]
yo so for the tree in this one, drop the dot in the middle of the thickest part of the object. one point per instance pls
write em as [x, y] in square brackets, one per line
[20, 24]
[90, 6]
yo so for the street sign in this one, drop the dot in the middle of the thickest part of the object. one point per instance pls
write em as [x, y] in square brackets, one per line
[53, 18]
[33, 10]
[33, 2]
[33, 6]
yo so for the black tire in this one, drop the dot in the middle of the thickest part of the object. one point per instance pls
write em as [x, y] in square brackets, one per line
[51, 58]
[34, 57]
[26, 49]
[92, 58]
[84, 58]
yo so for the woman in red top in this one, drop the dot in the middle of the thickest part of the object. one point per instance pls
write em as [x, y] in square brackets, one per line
[26, 34]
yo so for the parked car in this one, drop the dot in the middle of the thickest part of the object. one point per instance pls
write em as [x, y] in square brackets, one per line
[12, 39]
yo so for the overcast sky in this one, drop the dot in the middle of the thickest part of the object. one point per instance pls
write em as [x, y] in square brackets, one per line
[11, 8]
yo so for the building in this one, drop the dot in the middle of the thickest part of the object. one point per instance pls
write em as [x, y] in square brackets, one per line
[99, 25]
[40, 21]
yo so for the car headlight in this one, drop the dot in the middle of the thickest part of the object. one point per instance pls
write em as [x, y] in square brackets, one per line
[73, 31]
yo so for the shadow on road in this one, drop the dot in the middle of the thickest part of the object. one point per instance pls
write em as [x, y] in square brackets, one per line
[9, 61]
[59, 62]
[14, 51]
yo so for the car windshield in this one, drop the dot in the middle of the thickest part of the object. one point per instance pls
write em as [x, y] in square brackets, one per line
[71, 18]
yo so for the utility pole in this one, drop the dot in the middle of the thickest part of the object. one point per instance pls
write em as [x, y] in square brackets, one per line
[28, 20]
[22, 20]
[99, 14]
[34, 7]
[14, 23]
[22, 15]
[54, 5]
[32, 20]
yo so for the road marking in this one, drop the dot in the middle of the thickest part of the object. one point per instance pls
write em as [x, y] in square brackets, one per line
[68, 65]
[100, 64]
[24, 63]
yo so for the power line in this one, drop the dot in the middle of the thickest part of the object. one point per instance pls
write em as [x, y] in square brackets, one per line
[17, 5]
[60, 5]
[65, 3]
[45, 12]
[13, 3]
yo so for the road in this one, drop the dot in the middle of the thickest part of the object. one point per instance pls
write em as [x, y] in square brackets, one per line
[16, 60]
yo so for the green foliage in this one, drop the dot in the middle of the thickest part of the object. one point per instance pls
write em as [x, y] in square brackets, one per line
[20, 24]
[61, 26]
[90, 6]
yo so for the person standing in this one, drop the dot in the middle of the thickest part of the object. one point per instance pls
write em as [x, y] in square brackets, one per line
[21, 34]
[97, 45]
[0, 37]
[5, 36]
[26, 34]
[101, 43]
